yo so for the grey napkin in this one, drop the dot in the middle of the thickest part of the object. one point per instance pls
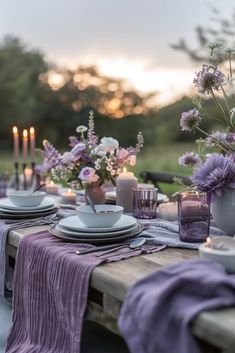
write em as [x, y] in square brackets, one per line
[166, 232]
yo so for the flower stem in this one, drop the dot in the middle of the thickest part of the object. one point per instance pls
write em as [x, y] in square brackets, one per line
[213, 138]
[222, 110]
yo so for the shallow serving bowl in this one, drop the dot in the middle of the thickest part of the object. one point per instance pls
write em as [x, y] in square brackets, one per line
[106, 216]
[225, 258]
[24, 198]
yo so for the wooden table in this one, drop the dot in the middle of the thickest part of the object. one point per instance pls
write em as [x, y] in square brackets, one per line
[215, 330]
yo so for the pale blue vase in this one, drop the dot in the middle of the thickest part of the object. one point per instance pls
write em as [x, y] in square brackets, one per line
[223, 211]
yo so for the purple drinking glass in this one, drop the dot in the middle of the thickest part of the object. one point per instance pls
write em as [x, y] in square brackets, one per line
[194, 216]
[145, 203]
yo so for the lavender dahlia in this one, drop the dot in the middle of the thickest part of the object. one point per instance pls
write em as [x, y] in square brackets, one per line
[215, 174]
[190, 120]
[209, 78]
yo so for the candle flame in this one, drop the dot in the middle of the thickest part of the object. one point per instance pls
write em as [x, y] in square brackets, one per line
[69, 191]
[32, 131]
[52, 183]
[25, 133]
[15, 130]
[124, 170]
[208, 241]
[28, 171]
[44, 142]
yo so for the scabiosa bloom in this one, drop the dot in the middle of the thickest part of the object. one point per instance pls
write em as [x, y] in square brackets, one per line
[73, 140]
[190, 120]
[216, 136]
[215, 174]
[208, 79]
[190, 159]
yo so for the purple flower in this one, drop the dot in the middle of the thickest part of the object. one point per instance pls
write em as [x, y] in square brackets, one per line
[52, 157]
[208, 78]
[88, 175]
[73, 140]
[77, 151]
[190, 159]
[190, 120]
[217, 173]
[217, 136]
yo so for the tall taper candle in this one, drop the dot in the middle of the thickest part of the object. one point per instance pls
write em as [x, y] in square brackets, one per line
[126, 182]
[25, 145]
[32, 144]
[16, 144]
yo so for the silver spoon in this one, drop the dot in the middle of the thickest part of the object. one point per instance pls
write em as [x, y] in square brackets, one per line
[138, 241]
[91, 203]
[134, 244]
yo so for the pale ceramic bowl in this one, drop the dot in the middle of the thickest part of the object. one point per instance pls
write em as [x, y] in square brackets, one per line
[225, 258]
[24, 198]
[100, 219]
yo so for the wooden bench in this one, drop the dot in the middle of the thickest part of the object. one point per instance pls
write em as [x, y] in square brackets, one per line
[168, 178]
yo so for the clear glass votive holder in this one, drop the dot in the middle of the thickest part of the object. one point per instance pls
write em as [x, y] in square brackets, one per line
[194, 216]
[145, 203]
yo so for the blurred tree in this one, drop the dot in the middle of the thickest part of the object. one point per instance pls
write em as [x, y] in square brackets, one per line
[221, 30]
[19, 72]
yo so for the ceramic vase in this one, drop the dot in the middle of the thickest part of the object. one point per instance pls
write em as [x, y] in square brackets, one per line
[95, 192]
[223, 211]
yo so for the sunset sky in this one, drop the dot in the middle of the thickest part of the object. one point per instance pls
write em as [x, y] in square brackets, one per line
[124, 38]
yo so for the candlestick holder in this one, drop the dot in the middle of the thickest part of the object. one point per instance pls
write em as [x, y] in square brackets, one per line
[24, 165]
[33, 172]
[17, 179]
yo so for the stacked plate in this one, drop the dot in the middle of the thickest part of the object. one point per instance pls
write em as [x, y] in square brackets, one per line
[9, 211]
[72, 229]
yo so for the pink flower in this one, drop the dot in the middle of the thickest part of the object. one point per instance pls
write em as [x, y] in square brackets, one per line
[122, 154]
[88, 175]
[132, 160]
[77, 151]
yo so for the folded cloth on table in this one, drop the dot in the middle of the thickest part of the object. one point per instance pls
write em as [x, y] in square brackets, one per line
[158, 310]
[166, 232]
[6, 272]
[50, 293]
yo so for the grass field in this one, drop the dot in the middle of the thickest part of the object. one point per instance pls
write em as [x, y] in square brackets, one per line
[159, 158]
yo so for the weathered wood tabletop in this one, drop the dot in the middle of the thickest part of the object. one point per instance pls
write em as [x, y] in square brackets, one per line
[110, 283]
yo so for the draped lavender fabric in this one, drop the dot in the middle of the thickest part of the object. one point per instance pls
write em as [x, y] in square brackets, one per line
[157, 310]
[6, 273]
[50, 294]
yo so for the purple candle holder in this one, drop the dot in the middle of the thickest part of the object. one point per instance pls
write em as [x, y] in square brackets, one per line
[145, 203]
[194, 216]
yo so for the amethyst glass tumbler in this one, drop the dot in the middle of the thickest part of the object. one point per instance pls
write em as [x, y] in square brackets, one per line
[194, 216]
[145, 203]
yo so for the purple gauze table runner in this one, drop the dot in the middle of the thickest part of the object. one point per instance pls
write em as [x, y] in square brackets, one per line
[50, 294]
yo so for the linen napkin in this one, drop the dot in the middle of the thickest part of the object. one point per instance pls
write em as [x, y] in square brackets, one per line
[158, 310]
[50, 293]
[166, 232]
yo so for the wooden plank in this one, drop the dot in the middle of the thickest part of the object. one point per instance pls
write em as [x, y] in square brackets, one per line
[217, 327]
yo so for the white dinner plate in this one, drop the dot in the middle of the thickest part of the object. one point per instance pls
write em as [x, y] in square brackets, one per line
[16, 212]
[74, 223]
[107, 240]
[14, 215]
[8, 205]
[111, 195]
[94, 235]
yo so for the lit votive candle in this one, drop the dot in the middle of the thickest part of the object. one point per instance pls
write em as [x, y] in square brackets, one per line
[125, 183]
[69, 197]
[52, 188]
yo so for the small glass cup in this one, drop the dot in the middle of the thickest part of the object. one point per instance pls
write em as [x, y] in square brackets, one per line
[145, 203]
[194, 216]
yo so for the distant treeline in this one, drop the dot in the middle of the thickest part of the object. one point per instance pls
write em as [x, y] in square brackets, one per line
[55, 101]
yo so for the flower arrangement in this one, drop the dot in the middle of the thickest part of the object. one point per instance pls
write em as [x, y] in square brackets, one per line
[90, 159]
[213, 170]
